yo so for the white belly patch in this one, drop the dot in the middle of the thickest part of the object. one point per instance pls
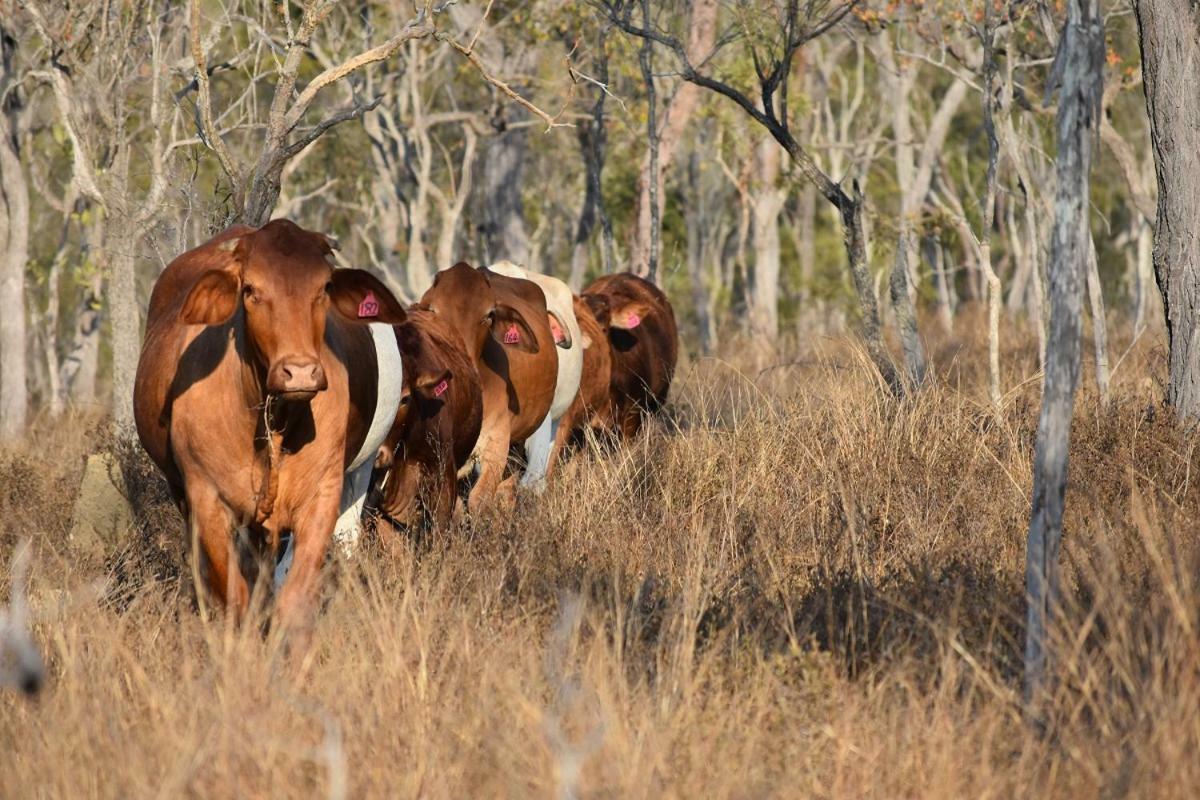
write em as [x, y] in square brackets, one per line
[391, 381]
[358, 474]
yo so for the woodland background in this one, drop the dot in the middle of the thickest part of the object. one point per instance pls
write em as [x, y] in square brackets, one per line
[411, 150]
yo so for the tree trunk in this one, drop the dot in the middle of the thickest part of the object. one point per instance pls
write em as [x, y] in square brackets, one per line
[1080, 58]
[698, 239]
[503, 213]
[675, 117]
[54, 393]
[121, 253]
[80, 368]
[906, 317]
[1144, 274]
[1169, 33]
[989, 208]
[14, 391]
[766, 207]
[935, 254]
[652, 175]
[1099, 324]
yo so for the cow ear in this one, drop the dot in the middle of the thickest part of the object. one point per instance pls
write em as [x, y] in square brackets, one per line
[600, 307]
[212, 300]
[433, 385]
[510, 329]
[358, 296]
[629, 316]
[559, 330]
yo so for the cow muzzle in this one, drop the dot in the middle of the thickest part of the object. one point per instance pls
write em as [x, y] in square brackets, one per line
[296, 379]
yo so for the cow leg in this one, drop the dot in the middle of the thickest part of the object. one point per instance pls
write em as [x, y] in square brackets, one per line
[297, 601]
[348, 528]
[493, 457]
[564, 427]
[537, 454]
[212, 530]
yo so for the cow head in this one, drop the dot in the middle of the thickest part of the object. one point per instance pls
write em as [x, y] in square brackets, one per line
[283, 279]
[464, 297]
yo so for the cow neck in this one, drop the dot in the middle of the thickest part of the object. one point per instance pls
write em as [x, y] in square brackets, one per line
[253, 378]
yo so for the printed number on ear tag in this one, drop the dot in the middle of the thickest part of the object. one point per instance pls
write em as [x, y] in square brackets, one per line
[633, 320]
[512, 335]
[369, 307]
[441, 388]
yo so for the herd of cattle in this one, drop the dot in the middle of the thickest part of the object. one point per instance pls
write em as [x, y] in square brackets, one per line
[276, 391]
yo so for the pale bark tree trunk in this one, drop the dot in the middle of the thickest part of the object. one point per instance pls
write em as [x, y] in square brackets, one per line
[81, 367]
[1099, 324]
[1169, 31]
[451, 209]
[593, 138]
[806, 246]
[1080, 63]
[14, 391]
[1145, 274]
[989, 208]
[503, 232]
[701, 238]
[914, 169]
[121, 258]
[935, 254]
[652, 174]
[766, 206]
[702, 25]
[906, 317]
[54, 388]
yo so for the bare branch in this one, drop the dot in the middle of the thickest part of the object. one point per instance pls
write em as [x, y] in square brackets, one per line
[417, 28]
[512, 94]
[212, 137]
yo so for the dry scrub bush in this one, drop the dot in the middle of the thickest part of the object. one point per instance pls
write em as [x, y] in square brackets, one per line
[790, 587]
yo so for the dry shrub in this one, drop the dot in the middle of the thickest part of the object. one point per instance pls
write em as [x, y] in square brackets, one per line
[790, 585]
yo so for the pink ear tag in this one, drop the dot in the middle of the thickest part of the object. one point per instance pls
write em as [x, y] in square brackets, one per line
[369, 307]
[512, 335]
[632, 320]
[441, 388]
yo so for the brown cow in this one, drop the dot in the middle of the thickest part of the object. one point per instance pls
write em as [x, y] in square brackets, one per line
[257, 386]
[644, 343]
[504, 325]
[592, 407]
[437, 425]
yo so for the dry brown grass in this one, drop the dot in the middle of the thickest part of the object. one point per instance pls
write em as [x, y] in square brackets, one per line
[793, 587]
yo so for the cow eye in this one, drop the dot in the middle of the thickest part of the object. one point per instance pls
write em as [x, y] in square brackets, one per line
[250, 293]
[404, 399]
[328, 287]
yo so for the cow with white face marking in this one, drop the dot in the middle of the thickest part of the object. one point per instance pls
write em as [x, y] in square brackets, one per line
[560, 314]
